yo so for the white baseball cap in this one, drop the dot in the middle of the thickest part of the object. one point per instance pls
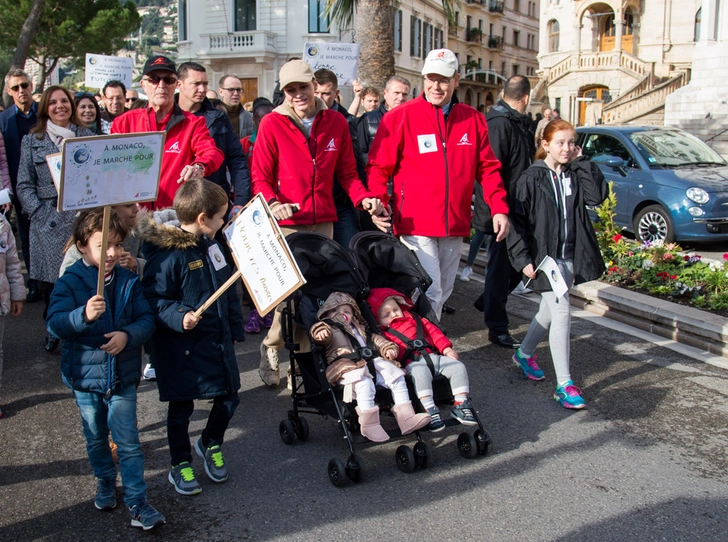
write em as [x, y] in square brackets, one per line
[442, 62]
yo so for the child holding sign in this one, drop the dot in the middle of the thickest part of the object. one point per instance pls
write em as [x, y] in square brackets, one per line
[194, 357]
[550, 219]
[101, 359]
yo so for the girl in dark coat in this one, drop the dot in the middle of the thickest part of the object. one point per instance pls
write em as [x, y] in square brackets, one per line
[550, 219]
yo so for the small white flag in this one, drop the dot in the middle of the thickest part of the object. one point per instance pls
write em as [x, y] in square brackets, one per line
[549, 268]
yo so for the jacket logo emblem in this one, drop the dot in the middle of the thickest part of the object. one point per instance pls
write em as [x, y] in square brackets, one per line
[464, 140]
[195, 265]
[174, 147]
[331, 146]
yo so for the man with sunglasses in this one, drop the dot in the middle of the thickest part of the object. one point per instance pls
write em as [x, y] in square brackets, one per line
[15, 123]
[131, 97]
[189, 151]
[231, 93]
[435, 149]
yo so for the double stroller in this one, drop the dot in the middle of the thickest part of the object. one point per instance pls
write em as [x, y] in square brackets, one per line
[374, 260]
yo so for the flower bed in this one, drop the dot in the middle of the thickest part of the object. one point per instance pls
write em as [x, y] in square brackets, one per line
[660, 269]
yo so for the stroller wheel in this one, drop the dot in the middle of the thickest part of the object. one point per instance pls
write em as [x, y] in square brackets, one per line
[422, 455]
[337, 472]
[355, 469]
[287, 431]
[482, 438]
[301, 428]
[467, 445]
[405, 458]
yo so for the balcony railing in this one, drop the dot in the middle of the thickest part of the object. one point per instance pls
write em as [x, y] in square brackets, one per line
[494, 6]
[257, 41]
[475, 35]
[495, 42]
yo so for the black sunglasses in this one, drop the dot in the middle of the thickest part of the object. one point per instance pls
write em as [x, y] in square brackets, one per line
[168, 79]
[132, 100]
[22, 85]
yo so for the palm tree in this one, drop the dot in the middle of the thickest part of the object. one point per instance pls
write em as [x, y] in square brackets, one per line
[373, 31]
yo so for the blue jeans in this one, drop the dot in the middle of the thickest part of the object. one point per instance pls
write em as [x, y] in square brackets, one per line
[118, 414]
[347, 226]
[475, 243]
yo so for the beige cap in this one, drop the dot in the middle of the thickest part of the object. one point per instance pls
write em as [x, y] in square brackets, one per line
[295, 71]
[442, 62]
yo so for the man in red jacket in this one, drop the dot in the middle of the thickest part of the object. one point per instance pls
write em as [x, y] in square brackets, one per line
[299, 148]
[189, 151]
[435, 149]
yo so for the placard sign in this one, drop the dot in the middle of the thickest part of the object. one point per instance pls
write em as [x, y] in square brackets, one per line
[260, 250]
[100, 69]
[340, 58]
[110, 170]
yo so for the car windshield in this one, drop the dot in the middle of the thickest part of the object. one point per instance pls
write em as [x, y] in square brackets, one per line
[672, 148]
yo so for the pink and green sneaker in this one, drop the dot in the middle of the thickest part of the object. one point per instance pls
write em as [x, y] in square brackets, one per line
[528, 365]
[569, 396]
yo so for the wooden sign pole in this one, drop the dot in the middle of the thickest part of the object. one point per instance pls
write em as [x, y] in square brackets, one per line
[102, 256]
[221, 290]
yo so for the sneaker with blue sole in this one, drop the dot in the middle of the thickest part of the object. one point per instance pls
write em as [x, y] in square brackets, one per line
[106, 494]
[144, 515]
[569, 396]
[528, 365]
[184, 480]
[214, 462]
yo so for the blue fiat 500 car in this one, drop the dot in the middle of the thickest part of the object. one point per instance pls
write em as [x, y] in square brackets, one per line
[669, 184]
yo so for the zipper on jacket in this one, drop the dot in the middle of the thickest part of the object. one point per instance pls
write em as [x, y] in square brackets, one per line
[312, 150]
[447, 172]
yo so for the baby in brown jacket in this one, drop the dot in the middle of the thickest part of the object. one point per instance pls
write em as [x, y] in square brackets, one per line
[341, 330]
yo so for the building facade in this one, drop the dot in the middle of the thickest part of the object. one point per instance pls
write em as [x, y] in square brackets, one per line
[493, 40]
[614, 61]
[701, 107]
[254, 38]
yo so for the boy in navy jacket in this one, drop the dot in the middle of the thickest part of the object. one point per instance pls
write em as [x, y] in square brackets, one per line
[101, 359]
[194, 357]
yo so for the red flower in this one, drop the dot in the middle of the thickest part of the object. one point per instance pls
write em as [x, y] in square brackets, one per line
[687, 258]
[725, 256]
[673, 277]
[617, 238]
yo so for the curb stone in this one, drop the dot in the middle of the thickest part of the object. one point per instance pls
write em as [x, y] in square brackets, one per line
[683, 324]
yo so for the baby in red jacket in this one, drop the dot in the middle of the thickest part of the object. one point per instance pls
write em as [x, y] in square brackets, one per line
[421, 345]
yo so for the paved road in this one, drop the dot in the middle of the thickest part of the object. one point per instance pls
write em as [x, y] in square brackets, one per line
[646, 461]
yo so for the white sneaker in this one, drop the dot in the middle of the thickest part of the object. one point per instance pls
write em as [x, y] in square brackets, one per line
[465, 274]
[149, 372]
[521, 289]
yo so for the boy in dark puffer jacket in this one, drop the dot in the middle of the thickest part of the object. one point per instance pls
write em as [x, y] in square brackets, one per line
[101, 359]
[194, 357]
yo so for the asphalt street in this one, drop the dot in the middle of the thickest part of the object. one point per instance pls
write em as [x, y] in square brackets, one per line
[646, 461]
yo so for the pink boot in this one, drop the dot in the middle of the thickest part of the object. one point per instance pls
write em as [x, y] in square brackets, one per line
[407, 420]
[370, 426]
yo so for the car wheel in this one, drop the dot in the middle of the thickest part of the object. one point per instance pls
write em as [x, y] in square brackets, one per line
[653, 223]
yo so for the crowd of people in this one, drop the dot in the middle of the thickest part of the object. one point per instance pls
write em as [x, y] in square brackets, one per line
[408, 164]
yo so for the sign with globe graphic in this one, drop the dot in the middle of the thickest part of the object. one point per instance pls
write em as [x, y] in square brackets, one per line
[110, 170]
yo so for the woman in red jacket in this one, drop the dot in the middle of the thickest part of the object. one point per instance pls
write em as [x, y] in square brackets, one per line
[299, 148]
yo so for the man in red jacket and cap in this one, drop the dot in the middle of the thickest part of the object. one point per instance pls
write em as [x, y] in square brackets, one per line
[299, 148]
[435, 149]
[189, 151]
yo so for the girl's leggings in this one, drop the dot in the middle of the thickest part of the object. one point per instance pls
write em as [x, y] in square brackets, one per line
[554, 316]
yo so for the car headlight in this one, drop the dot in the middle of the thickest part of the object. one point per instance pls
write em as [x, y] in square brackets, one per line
[698, 195]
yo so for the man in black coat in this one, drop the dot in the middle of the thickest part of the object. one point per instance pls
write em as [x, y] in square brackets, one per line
[192, 85]
[511, 141]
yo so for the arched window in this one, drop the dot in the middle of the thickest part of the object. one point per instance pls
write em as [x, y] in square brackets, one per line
[698, 19]
[628, 23]
[553, 28]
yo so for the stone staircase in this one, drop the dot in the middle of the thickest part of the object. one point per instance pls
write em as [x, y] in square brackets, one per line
[598, 61]
[644, 103]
